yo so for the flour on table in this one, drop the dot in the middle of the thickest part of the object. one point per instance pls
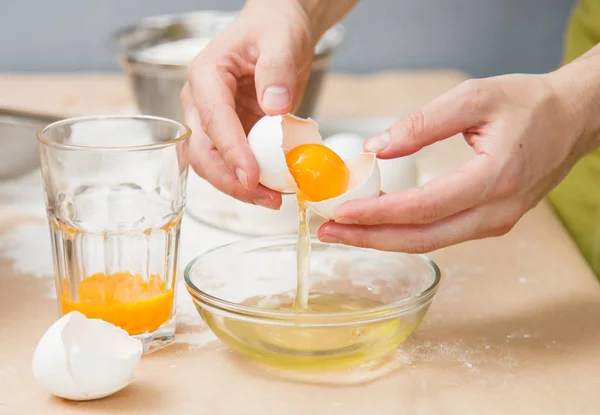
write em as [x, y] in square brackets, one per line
[471, 356]
[28, 246]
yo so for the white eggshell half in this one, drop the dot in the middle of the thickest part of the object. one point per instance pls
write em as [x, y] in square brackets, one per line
[397, 174]
[83, 359]
[271, 138]
[365, 182]
[346, 145]
[284, 220]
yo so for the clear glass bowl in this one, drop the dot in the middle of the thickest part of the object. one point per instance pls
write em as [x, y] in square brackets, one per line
[364, 303]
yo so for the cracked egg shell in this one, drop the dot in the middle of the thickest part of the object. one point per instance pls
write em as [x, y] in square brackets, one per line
[271, 138]
[365, 182]
[396, 174]
[346, 145]
[83, 359]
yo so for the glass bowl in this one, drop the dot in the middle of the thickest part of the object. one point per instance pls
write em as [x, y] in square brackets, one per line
[363, 303]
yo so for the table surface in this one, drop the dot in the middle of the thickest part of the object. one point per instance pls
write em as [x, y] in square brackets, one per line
[515, 327]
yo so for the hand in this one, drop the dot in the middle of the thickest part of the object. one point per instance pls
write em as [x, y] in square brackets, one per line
[526, 137]
[259, 66]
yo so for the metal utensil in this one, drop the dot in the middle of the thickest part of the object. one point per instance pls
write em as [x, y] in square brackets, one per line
[157, 85]
[18, 143]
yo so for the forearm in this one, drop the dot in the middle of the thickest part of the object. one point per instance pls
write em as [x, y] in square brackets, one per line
[578, 85]
[322, 14]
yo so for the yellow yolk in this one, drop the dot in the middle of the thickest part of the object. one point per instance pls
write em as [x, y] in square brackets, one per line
[123, 299]
[318, 171]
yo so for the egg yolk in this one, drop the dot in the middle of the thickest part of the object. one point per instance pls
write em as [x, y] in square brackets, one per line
[318, 171]
[123, 299]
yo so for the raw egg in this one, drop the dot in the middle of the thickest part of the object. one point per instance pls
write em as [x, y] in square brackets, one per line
[318, 172]
[292, 158]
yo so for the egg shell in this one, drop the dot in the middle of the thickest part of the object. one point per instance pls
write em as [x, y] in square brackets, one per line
[271, 138]
[365, 182]
[397, 174]
[346, 145]
[84, 359]
[284, 220]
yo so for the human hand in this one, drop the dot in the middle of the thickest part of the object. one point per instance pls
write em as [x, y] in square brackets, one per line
[526, 136]
[259, 66]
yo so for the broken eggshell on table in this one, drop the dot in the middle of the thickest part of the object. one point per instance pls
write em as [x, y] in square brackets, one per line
[273, 136]
[81, 359]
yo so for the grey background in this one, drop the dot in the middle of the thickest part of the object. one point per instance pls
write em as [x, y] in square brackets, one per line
[482, 37]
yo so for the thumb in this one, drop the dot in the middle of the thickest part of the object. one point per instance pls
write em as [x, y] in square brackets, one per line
[454, 112]
[276, 75]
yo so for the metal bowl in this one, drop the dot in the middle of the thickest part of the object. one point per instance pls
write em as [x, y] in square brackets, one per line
[157, 85]
[18, 144]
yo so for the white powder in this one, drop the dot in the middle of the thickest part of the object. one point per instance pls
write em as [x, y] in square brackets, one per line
[196, 339]
[420, 352]
[179, 52]
[28, 246]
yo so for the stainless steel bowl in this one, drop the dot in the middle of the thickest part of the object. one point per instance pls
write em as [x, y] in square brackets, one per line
[157, 85]
[18, 143]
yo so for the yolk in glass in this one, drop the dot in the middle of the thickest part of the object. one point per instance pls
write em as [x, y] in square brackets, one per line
[318, 171]
[123, 299]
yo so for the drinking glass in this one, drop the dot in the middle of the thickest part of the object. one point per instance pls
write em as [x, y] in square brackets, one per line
[115, 191]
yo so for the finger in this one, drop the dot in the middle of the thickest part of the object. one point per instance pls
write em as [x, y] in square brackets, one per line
[407, 238]
[213, 91]
[484, 221]
[276, 74]
[208, 164]
[459, 110]
[467, 187]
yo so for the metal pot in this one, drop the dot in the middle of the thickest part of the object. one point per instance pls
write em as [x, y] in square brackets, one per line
[157, 85]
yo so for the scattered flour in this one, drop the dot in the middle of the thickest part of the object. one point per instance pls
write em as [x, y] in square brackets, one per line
[196, 339]
[469, 356]
[28, 246]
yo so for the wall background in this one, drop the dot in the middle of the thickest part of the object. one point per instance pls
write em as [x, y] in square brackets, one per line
[482, 37]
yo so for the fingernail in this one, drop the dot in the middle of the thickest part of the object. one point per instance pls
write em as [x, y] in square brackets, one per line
[330, 239]
[346, 221]
[264, 201]
[242, 177]
[378, 143]
[276, 98]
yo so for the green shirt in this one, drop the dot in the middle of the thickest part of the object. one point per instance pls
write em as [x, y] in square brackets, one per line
[577, 198]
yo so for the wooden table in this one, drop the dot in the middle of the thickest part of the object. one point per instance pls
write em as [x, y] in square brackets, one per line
[515, 327]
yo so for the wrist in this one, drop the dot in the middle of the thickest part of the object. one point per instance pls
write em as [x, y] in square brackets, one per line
[323, 14]
[577, 86]
[318, 15]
